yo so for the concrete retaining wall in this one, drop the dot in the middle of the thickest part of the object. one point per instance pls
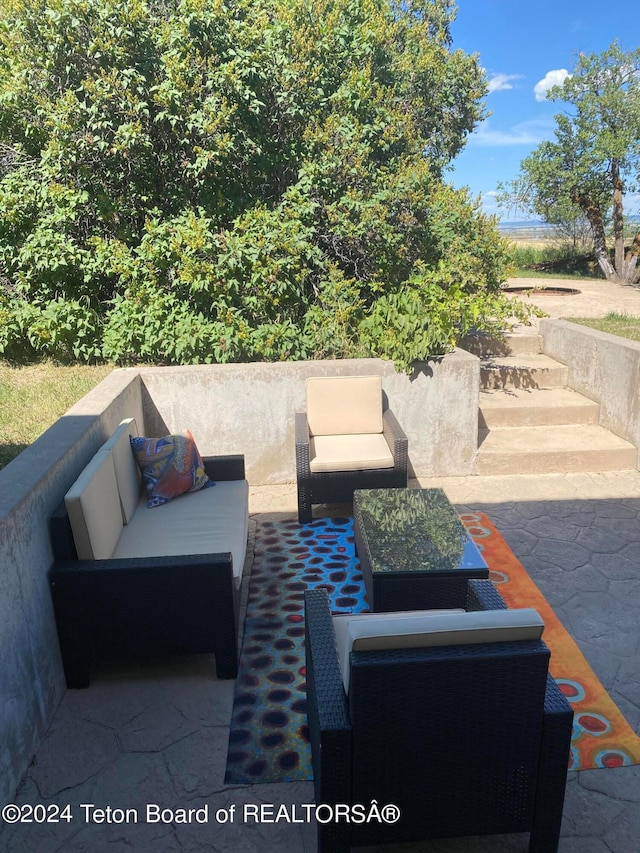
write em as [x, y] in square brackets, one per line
[229, 408]
[31, 487]
[604, 368]
[249, 408]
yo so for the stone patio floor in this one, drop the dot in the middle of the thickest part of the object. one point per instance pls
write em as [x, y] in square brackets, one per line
[156, 733]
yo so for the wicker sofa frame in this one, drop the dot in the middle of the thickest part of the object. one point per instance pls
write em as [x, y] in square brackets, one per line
[144, 606]
[339, 486]
[466, 740]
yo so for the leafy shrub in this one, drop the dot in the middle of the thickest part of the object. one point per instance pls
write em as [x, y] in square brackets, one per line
[188, 181]
[61, 329]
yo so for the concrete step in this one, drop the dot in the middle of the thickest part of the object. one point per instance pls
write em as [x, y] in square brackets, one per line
[524, 341]
[522, 372]
[552, 449]
[535, 407]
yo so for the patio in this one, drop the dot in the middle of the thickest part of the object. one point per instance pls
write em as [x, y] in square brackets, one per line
[158, 734]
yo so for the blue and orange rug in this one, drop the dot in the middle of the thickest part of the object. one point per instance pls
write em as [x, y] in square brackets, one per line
[268, 741]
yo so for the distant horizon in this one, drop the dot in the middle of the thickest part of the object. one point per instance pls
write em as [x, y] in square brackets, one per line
[515, 224]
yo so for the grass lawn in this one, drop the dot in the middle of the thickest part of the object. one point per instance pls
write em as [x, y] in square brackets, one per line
[34, 397]
[622, 325]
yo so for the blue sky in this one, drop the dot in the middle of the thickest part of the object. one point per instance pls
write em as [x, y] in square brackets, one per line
[521, 44]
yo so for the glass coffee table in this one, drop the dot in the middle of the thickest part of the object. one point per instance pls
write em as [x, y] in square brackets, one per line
[414, 551]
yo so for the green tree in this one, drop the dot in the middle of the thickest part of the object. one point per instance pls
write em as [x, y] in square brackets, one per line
[594, 159]
[190, 180]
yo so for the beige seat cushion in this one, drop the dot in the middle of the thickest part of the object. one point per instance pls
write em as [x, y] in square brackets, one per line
[127, 472]
[344, 405]
[93, 506]
[206, 522]
[419, 629]
[349, 452]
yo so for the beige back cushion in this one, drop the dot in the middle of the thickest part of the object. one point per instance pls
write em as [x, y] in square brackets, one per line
[419, 629]
[344, 405]
[94, 509]
[127, 472]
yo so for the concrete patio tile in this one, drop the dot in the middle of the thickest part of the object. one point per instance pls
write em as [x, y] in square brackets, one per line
[72, 752]
[243, 818]
[628, 681]
[191, 690]
[603, 540]
[156, 727]
[518, 843]
[616, 567]
[588, 579]
[629, 710]
[197, 763]
[565, 554]
[560, 587]
[589, 813]
[613, 627]
[627, 590]
[615, 784]
[605, 665]
[131, 782]
[141, 838]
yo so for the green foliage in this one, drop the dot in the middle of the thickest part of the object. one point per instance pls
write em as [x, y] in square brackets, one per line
[561, 259]
[65, 330]
[193, 181]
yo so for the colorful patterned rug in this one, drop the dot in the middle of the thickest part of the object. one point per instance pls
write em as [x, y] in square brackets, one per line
[268, 740]
[601, 735]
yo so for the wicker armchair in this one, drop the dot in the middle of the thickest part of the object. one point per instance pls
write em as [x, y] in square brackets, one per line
[346, 440]
[466, 739]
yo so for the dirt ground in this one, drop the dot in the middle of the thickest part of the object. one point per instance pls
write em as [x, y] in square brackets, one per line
[596, 298]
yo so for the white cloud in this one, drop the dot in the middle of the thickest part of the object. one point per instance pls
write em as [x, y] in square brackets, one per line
[632, 204]
[525, 133]
[501, 82]
[489, 203]
[551, 78]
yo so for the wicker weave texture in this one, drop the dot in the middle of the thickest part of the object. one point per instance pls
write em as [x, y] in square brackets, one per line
[466, 740]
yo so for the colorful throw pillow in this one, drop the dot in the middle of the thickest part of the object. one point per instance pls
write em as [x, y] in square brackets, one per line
[170, 466]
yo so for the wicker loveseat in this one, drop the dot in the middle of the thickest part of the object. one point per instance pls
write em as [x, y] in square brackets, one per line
[346, 440]
[128, 580]
[456, 722]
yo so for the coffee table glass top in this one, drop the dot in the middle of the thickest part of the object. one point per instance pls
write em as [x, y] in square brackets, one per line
[414, 530]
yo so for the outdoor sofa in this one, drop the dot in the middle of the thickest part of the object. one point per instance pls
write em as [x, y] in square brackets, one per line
[129, 580]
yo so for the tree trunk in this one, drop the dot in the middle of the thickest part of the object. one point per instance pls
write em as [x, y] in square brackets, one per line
[631, 270]
[618, 220]
[594, 217]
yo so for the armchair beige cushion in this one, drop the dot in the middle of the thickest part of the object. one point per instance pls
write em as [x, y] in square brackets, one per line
[422, 628]
[349, 452]
[344, 405]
